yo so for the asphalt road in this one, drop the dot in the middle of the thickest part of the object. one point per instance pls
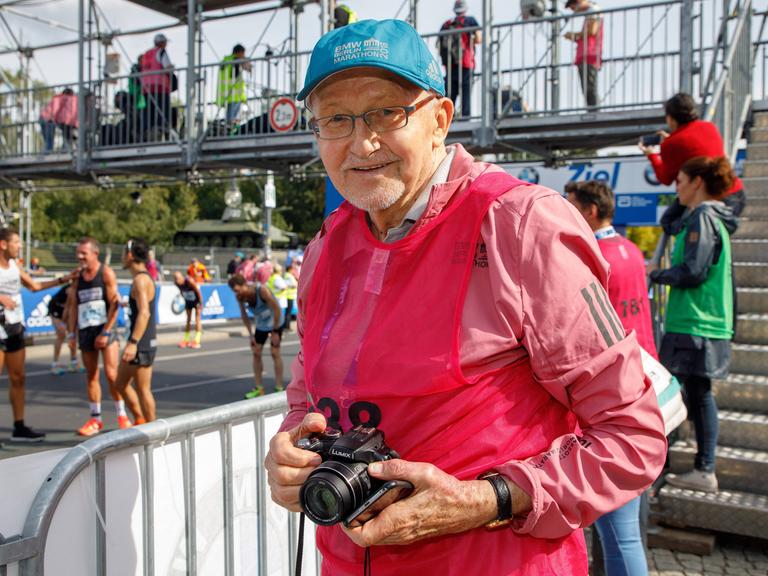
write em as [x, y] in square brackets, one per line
[183, 381]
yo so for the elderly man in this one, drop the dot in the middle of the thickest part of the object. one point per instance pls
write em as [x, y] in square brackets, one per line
[463, 313]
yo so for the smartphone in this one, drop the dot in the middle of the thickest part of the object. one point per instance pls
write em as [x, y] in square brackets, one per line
[652, 140]
[389, 493]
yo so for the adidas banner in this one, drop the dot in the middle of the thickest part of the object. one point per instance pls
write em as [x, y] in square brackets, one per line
[219, 303]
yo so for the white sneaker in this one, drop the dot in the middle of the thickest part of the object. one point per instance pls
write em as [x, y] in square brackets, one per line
[694, 480]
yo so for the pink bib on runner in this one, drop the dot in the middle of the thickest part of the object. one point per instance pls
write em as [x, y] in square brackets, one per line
[381, 346]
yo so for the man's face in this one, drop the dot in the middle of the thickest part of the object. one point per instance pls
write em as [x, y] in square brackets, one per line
[373, 171]
[11, 247]
[86, 255]
[240, 290]
[178, 278]
[126, 258]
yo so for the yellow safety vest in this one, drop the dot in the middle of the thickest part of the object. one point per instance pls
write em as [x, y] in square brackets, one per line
[231, 87]
[271, 286]
[291, 292]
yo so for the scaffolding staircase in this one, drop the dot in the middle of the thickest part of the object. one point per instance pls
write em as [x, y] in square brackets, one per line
[741, 505]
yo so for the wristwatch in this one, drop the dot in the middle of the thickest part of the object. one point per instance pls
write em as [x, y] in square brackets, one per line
[503, 501]
[132, 340]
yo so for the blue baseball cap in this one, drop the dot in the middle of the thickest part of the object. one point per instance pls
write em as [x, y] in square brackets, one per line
[392, 45]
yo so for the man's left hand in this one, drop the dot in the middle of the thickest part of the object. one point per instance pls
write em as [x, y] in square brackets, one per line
[129, 353]
[439, 504]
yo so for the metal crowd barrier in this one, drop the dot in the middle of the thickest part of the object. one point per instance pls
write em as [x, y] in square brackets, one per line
[183, 495]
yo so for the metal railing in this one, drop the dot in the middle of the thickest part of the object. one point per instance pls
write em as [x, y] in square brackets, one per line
[523, 69]
[250, 534]
[727, 102]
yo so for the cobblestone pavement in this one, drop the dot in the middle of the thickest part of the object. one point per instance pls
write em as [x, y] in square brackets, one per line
[729, 559]
[732, 557]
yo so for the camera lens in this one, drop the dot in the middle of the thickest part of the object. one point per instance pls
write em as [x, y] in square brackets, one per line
[323, 499]
[334, 490]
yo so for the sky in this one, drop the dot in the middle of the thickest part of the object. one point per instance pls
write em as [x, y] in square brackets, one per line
[58, 66]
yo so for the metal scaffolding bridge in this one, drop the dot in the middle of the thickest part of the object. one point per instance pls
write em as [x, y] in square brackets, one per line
[526, 93]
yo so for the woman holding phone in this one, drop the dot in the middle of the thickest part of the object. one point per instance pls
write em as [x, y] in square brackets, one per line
[688, 138]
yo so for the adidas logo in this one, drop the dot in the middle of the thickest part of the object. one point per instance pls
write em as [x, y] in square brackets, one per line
[213, 305]
[39, 318]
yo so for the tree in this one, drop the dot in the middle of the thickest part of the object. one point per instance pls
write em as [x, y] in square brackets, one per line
[113, 216]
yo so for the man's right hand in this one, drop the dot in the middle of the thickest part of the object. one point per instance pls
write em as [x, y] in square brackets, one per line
[288, 466]
[7, 302]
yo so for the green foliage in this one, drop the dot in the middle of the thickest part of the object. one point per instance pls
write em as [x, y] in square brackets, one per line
[646, 238]
[301, 205]
[112, 216]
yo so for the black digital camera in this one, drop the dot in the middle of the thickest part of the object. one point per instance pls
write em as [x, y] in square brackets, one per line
[340, 489]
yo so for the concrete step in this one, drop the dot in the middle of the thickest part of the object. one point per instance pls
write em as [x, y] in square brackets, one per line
[737, 468]
[752, 329]
[725, 511]
[755, 187]
[749, 228]
[758, 150]
[752, 300]
[742, 392]
[754, 168]
[760, 119]
[756, 209]
[749, 359]
[757, 135]
[749, 250]
[751, 274]
[743, 430]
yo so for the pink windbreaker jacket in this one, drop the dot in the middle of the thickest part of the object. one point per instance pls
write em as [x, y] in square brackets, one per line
[536, 295]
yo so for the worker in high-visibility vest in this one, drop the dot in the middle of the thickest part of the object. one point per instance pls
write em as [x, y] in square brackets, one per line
[232, 84]
[343, 15]
[291, 278]
[278, 287]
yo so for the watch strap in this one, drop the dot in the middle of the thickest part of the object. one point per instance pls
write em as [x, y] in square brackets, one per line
[132, 340]
[503, 500]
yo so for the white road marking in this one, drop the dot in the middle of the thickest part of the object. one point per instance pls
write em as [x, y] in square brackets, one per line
[186, 355]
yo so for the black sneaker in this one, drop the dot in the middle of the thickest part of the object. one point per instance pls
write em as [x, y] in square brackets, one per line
[26, 434]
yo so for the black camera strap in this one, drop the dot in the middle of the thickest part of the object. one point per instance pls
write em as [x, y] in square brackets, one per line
[300, 550]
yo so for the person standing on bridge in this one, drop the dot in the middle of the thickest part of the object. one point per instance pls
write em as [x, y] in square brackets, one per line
[139, 353]
[12, 352]
[157, 82]
[269, 325]
[457, 52]
[589, 47]
[92, 319]
[232, 84]
[193, 302]
[465, 314]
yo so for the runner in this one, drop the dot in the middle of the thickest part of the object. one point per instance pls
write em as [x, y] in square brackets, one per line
[57, 310]
[92, 316]
[12, 352]
[139, 352]
[193, 301]
[269, 324]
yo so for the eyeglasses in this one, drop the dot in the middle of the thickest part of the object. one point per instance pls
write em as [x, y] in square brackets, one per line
[378, 120]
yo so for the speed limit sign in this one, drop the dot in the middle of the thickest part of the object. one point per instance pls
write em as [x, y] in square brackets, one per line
[283, 115]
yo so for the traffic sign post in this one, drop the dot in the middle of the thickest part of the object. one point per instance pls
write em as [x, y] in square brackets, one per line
[283, 115]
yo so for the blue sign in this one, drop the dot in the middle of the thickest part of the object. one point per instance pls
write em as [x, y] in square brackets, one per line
[332, 197]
